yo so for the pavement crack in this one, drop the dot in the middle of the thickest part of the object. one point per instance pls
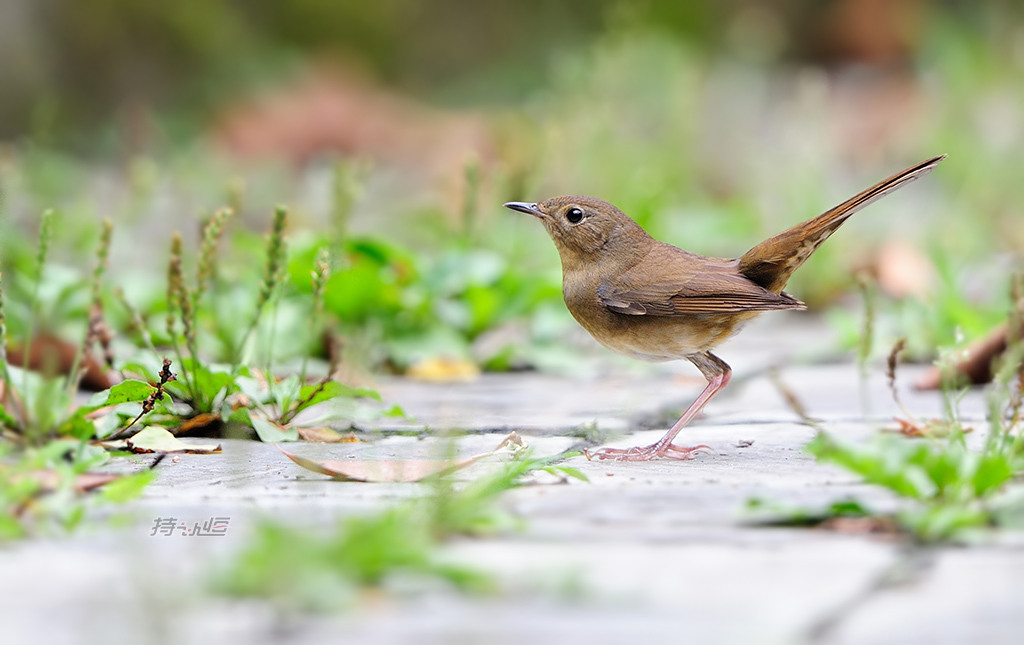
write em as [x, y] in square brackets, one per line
[910, 566]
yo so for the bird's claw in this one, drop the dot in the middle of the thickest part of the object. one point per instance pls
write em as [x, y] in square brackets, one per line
[647, 453]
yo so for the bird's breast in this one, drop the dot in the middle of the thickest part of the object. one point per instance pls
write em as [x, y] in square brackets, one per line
[645, 337]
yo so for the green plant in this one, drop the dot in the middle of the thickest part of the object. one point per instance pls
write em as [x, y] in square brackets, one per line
[47, 487]
[38, 406]
[946, 488]
[390, 549]
[237, 391]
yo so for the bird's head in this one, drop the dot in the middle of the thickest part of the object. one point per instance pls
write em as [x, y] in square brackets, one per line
[584, 226]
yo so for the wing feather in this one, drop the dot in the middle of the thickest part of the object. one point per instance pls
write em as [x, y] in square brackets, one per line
[687, 284]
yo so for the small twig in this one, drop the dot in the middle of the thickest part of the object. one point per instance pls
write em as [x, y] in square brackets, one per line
[890, 374]
[166, 376]
[794, 403]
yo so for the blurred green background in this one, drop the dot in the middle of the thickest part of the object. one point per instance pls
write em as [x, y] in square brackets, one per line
[395, 129]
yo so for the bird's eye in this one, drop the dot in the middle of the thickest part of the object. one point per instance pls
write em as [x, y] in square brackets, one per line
[574, 215]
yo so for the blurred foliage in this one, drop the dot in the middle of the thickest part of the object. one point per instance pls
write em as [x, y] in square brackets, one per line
[66, 67]
[713, 124]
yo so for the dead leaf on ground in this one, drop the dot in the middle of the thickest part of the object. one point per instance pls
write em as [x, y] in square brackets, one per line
[198, 421]
[861, 525]
[977, 363]
[327, 435]
[396, 471]
[444, 370]
[157, 439]
[930, 428]
[49, 480]
[51, 354]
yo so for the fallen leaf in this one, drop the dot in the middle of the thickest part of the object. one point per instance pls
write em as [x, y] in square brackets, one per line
[327, 435]
[198, 421]
[930, 428]
[49, 480]
[49, 353]
[157, 439]
[444, 370]
[401, 471]
[861, 525]
[977, 364]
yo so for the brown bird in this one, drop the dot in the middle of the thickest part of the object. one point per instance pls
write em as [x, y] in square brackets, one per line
[656, 302]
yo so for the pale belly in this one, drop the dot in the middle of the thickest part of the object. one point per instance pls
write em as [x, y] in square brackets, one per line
[660, 338]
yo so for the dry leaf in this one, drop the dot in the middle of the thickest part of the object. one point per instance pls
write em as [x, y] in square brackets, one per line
[977, 364]
[49, 353]
[930, 428]
[861, 525]
[157, 439]
[49, 480]
[327, 435]
[444, 370]
[198, 421]
[402, 470]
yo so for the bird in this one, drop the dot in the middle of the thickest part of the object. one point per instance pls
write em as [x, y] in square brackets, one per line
[653, 301]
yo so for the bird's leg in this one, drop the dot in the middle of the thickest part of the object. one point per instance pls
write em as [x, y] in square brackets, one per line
[718, 373]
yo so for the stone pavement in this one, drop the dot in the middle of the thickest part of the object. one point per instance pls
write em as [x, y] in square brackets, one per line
[646, 552]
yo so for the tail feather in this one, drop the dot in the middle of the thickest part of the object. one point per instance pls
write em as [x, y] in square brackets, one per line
[771, 262]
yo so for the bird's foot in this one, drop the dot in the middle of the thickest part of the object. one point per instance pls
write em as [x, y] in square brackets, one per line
[647, 453]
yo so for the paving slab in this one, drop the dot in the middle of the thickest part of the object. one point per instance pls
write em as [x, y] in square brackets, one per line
[659, 550]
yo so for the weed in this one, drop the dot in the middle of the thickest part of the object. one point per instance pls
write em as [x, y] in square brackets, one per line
[947, 488]
[43, 488]
[388, 550]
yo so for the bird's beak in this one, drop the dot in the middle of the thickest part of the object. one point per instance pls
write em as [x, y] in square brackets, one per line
[525, 207]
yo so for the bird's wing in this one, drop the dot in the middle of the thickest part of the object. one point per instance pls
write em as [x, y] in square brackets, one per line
[671, 282]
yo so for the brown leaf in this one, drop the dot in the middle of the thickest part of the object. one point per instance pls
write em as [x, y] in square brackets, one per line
[49, 480]
[53, 355]
[861, 525]
[930, 428]
[444, 370]
[327, 435]
[977, 364]
[400, 471]
[198, 421]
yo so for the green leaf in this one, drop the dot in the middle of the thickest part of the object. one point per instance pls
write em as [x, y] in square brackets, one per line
[78, 426]
[124, 392]
[993, 471]
[7, 420]
[10, 528]
[251, 388]
[127, 488]
[287, 390]
[569, 471]
[270, 432]
[210, 382]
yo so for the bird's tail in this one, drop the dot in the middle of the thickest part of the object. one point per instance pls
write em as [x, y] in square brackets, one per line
[771, 262]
